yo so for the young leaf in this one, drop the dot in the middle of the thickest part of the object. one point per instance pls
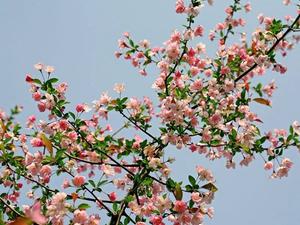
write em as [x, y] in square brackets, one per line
[178, 192]
[84, 206]
[262, 101]
[210, 187]
[47, 143]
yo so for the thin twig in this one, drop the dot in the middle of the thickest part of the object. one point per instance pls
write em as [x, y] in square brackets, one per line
[270, 50]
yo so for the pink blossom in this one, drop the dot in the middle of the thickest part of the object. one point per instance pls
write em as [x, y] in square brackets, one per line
[35, 214]
[195, 196]
[119, 88]
[180, 8]
[78, 180]
[156, 220]
[199, 31]
[36, 142]
[268, 165]
[28, 78]
[287, 163]
[80, 216]
[49, 69]
[197, 218]
[196, 85]
[215, 118]
[204, 173]
[194, 70]
[296, 127]
[210, 212]
[36, 96]
[180, 206]
[112, 196]
[220, 26]
[248, 7]
[39, 66]
[42, 106]
[173, 50]
[80, 108]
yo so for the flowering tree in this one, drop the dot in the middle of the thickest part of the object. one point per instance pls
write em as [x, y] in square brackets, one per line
[72, 169]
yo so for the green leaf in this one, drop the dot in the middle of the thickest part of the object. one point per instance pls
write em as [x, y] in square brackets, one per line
[170, 184]
[37, 81]
[192, 180]
[129, 198]
[210, 187]
[92, 183]
[178, 192]
[84, 206]
[52, 80]
[126, 221]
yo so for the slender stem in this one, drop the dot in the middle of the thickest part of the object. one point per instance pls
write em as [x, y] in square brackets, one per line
[136, 124]
[55, 191]
[99, 163]
[10, 207]
[120, 129]
[92, 193]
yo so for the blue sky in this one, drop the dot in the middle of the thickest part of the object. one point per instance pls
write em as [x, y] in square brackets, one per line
[79, 39]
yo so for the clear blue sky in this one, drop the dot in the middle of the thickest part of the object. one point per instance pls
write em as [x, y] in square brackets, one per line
[79, 38]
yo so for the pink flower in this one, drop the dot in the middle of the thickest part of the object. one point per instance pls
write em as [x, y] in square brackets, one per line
[196, 197]
[199, 31]
[45, 171]
[35, 214]
[78, 180]
[42, 106]
[194, 70]
[140, 223]
[215, 119]
[229, 10]
[28, 78]
[248, 7]
[287, 163]
[180, 8]
[224, 70]
[196, 85]
[36, 142]
[112, 196]
[268, 165]
[66, 184]
[204, 174]
[296, 127]
[143, 72]
[220, 26]
[206, 135]
[173, 50]
[39, 66]
[119, 88]
[80, 108]
[30, 121]
[180, 206]
[73, 135]
[197, 218]
[49, 69]
[36, 96]
[80, 216]
[156, 220]
[210, 212]
[286, 2]
[282, 172]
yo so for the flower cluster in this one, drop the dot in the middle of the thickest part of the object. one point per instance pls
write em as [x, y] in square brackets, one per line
[79, 169]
